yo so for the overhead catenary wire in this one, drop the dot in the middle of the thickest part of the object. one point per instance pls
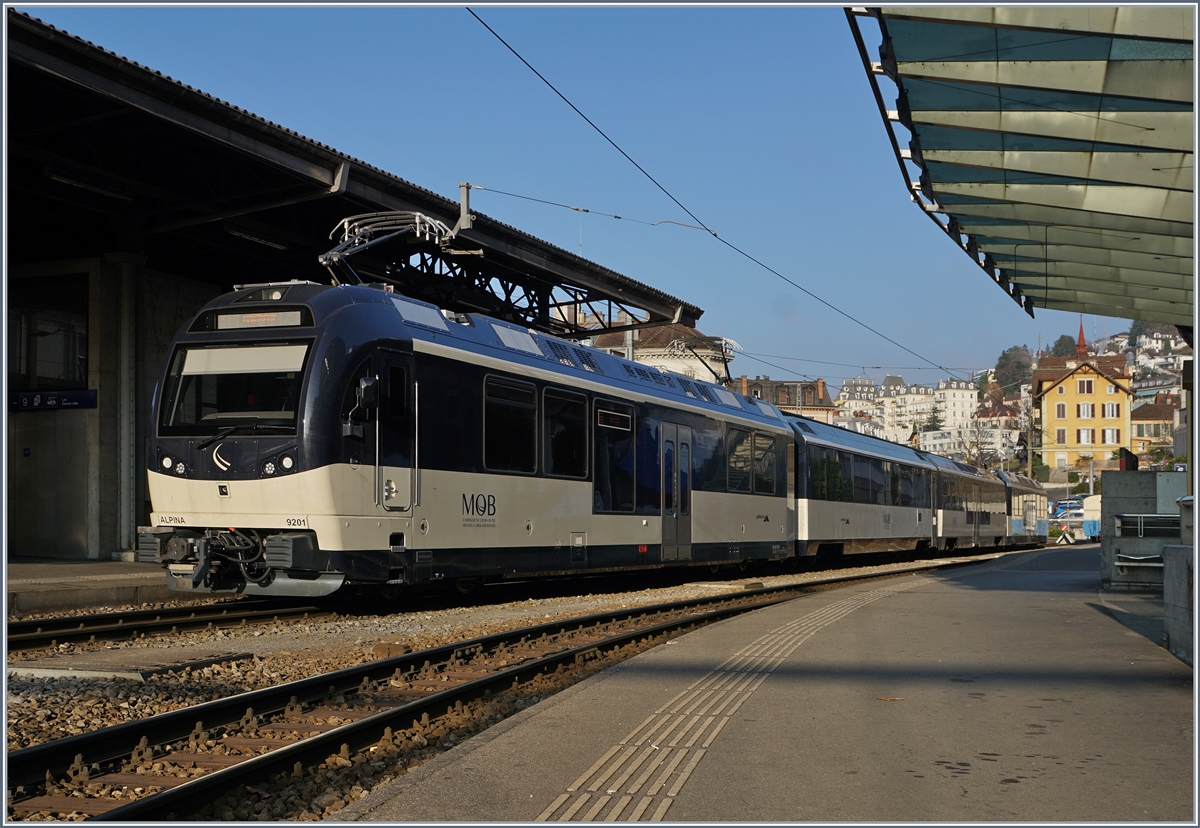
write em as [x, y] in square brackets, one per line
[701, 224]
[583, 209]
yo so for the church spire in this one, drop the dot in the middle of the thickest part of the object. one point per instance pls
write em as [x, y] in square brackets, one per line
[1081, 345]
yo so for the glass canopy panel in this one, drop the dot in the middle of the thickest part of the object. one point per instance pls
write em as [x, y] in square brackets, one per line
[933, 137]
[983, 221]
[996, 240]
[953, 198]
[922, 41]
[1124, 49]
[943, 173]
[943, 95]
[958, 138]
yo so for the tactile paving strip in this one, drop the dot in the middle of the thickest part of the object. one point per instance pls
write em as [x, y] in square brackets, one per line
[650, 766]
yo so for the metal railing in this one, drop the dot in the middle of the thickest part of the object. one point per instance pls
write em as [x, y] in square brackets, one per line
[1146, 526]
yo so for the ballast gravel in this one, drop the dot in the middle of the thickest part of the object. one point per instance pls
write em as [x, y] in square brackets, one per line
[44, 709]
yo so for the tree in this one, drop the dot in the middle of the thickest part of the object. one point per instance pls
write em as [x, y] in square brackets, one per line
[933, 422]
[976, 441]
[1064, 346]
[1135, 330]
[1014, 368]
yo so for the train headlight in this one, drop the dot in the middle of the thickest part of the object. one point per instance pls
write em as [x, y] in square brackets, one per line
[167, 462]
[269, 467]
[287, 462]
[180, 468]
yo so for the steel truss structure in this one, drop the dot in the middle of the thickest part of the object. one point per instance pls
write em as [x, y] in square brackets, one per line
[421, 258]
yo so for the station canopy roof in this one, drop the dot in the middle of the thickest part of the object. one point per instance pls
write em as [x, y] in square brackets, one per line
[1054, 145]
[106, 156]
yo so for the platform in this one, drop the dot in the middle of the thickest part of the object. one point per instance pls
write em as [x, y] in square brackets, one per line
[61, 585]
[1007, 691]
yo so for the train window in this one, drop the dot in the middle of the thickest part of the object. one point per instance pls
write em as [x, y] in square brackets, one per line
[741, 459]
[614, 470]
[685, 479]
[668, 477]
[244, 386]
[845, 469]
[880, 481]
[862, 480]
[648, 474]
[921, 492]
[902, 485]
[764, 463]
[816, 473]
[509, 426]
[708, 458]
[564, 434]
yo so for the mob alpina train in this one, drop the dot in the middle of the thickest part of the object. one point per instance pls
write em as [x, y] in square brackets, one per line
[308, 438]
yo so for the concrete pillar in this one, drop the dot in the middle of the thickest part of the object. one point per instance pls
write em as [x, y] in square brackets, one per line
[125, 422]
[103, 314]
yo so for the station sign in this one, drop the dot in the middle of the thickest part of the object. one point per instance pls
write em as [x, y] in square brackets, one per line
[51, 400]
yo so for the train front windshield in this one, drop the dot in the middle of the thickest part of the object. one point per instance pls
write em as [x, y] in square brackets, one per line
[210, 389]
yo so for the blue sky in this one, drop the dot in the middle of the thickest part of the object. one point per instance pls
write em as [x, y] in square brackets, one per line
[760, 121]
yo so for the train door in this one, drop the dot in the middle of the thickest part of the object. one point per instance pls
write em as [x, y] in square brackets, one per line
[676, 448]
[394, 443]
[975, 512]
[1030, 516]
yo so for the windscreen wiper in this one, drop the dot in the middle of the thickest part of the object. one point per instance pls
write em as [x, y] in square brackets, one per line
[225, 432]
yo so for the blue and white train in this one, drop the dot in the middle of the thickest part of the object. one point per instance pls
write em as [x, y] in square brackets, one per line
[308, 438]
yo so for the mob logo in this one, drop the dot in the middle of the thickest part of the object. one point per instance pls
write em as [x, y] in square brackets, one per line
[481, 505]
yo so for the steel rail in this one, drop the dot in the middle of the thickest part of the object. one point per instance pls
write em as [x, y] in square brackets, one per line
[122, 625]
[70, 622]
[176, 802]
[30, 765]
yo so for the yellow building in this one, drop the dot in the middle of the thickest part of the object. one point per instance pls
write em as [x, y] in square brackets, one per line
[1084, 403]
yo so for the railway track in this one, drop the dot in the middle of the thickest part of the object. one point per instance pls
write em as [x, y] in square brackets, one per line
[48, 632]
[118, 626]
[175, 764]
